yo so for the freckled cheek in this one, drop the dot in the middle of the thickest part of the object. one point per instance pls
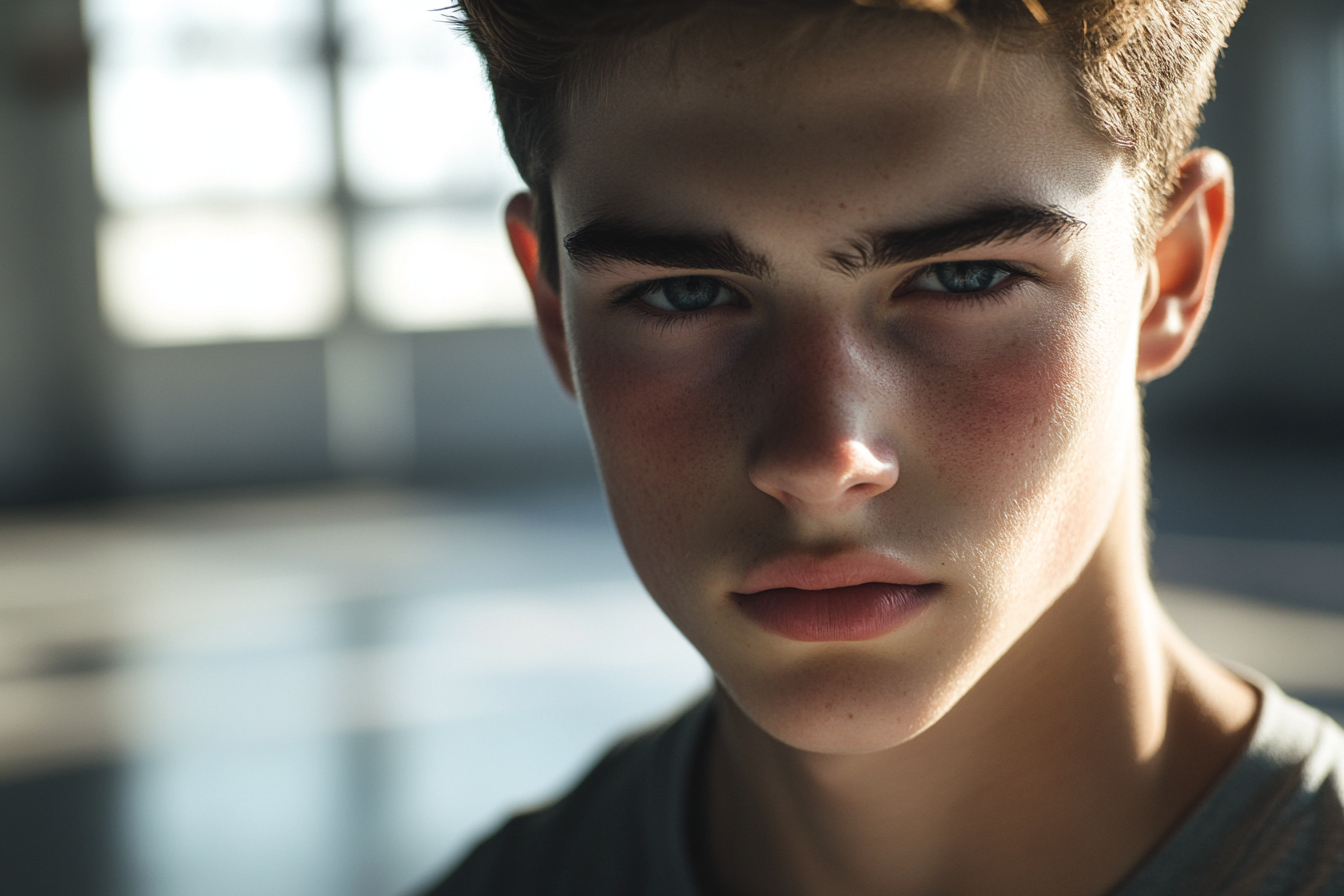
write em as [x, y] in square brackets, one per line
[662, 430]
[997, 423]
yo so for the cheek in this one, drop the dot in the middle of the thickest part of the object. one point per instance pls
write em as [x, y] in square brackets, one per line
[1004, 420]
[995, 420]
[1028, 447]
[663, 431]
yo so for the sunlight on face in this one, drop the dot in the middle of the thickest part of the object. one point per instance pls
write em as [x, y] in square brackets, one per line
[868, 296]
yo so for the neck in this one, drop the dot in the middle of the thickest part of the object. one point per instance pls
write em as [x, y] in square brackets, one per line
[1056, 774]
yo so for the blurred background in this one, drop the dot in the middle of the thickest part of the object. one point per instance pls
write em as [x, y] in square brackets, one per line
[305, 579]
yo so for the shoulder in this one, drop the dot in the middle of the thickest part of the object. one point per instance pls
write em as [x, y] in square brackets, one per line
[1274, 826]
[1298, 847]
[619, 831]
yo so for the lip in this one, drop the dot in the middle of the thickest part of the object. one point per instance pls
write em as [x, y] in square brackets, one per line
[854, 597]
[820, 573]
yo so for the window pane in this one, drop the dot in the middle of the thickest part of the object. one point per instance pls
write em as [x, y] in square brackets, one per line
[406, 30]
[420, 133]
[194, 132]
[421, 130]
[419, 118]
[146, 20]
[425, 270]
[210, 275]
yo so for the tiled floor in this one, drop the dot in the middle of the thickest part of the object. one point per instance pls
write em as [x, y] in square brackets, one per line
[330, 692]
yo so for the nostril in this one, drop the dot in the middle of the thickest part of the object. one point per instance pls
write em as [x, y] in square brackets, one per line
[850, 473]
[869, 489]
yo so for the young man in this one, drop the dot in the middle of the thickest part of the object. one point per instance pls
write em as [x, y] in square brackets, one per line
[856, 300]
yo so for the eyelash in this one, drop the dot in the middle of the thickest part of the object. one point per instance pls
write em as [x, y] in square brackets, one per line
[629, 297]
[991, 296]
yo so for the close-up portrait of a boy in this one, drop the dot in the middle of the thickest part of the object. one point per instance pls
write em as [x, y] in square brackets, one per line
[857, 300]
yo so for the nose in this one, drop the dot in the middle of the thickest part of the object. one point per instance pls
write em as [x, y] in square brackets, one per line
[838, 479]
[820, 450]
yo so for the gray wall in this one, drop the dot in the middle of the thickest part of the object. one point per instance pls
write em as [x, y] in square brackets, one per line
[218, 415]
[486, 410]
[489, 407]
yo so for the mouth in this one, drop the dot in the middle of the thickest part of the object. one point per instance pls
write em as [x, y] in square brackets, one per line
[854, 598]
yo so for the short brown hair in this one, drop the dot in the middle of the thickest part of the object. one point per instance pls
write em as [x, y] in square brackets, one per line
[1142, 69]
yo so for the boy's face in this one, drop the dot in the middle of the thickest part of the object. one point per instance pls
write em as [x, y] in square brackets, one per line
[850, 309]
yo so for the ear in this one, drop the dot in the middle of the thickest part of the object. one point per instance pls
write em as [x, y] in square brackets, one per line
[1184, 266]
[545, 297]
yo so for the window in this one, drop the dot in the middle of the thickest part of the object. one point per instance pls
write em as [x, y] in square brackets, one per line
[256, 155]
[428, 173]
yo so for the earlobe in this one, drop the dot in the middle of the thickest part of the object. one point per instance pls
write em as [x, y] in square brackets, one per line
[545, 297]
[1185, 262]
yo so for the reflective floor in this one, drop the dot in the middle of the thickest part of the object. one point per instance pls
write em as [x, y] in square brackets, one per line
[333, 691]
[325, 693]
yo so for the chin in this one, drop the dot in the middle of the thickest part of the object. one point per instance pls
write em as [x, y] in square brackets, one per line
[841, 704]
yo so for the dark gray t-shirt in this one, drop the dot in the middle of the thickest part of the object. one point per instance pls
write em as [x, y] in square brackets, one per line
[1273, 826]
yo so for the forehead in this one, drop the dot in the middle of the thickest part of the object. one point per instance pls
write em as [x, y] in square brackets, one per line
[742, 121]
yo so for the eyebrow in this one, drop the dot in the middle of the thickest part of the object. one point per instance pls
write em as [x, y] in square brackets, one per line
[602, 243]
[599, 244]
[983, 227]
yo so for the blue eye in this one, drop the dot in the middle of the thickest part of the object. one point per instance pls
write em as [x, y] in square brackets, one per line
[688, 294]
[960, 277]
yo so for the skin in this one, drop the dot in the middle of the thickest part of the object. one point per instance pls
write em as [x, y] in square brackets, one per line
[1039, 726]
